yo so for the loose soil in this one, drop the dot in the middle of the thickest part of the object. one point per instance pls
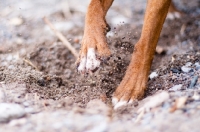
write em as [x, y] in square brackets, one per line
[39, 73]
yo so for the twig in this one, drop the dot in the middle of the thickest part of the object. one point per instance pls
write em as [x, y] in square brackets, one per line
[30, 63]
[61, 37]
[139, 117]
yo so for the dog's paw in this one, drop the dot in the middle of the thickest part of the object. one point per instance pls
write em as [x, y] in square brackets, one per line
[89, 62]
[173, 15]
[94, 47]
[120, 103]
[133, 85]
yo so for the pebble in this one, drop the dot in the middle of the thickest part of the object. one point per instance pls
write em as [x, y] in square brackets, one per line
[147, 118]
[193, 81]
[26, 104]
[30, 110]
[176, 87]
[196, 96]
[160, 49]
[186, 69]
[16, 21]
[10, 111]
[18, 122]
[188, 64]
[153, 75]
[197, 66]
[154, 101]
[11, 67]
[174, 70]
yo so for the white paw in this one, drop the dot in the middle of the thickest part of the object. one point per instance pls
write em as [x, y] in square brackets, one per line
[173, 15]
[89, 62]
[120, 103]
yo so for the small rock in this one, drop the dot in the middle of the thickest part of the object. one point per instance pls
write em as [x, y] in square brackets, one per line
[197, 66]
[26, 104]
[11, 67]
[10, 111]
[196, 96]
[18, 122]
[160, 49]
[76, 40]
[9, 57]
[174, 70]
[188, 64]
[30, 110]
[41, 81]
[193, 81]
[155, 101]
[16, 21]
[179, 103]
[186, 69]
[176, 87]
[153, 75]
[19, 41]
[110, 34]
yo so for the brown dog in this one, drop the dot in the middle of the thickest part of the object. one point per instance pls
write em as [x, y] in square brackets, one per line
[94, 44]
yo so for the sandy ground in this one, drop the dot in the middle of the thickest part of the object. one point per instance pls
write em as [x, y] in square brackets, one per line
[40, 89]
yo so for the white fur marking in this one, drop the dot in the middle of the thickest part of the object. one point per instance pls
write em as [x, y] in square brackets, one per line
[114, 101]
[130, 101]
[170, 16]
[173, 15]
[177, 15]
[92, 61]
[120, 104]
[81, 67]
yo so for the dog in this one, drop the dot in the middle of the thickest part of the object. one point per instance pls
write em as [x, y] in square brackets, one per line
[94, 44]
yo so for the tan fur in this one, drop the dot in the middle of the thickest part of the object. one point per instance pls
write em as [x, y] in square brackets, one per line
[134, 82]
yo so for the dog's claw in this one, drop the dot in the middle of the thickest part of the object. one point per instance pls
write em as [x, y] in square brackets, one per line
[173, 15]
[81, 65]
[119, 103]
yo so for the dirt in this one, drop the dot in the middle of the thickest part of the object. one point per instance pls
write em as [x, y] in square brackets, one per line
[39, 73]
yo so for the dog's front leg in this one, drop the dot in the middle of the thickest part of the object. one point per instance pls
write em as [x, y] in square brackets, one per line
[94, 45]
[134, 82]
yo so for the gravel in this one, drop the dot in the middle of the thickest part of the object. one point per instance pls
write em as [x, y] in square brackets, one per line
[10, 111]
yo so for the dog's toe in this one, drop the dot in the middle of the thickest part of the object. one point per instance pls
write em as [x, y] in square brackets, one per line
[92, 62]
[89, 62]
[173, 15]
